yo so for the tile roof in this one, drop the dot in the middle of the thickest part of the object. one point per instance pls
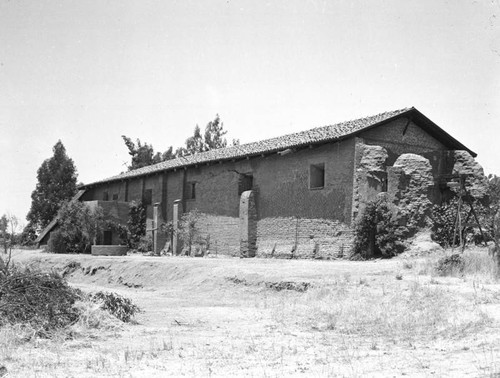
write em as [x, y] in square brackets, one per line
[303, 138]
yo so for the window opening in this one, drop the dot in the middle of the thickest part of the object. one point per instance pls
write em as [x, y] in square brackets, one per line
[191, 190]
[148, 197]
[317, 176]
[245, 182]
[115, 197]
[107, 237]
[105, 196]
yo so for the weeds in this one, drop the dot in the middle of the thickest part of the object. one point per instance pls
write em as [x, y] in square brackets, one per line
[120, 307]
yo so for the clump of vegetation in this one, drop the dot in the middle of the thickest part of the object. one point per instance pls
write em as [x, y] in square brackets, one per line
[377, 233]
[120, 307]
[145, 243]
[28, 235]
[78, 228]
[189, 231]
[43, 301]
[132, 235]
[136, 223]
[46, 304]
[450, 265]
[8, 237]
[56, 184]
[444, 223]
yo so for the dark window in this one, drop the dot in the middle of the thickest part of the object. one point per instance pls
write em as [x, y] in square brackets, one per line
[245, 182]
[105, 196]
[148, 197]
[191, 190]
[107, 238]
[115, 197]
[317, 176]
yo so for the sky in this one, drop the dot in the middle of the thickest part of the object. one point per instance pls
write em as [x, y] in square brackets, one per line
[87, 72]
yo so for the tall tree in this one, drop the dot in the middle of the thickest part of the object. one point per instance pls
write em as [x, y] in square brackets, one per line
[56, 184]
[214, 134]
[213, 138]
[143, 154]
[195, 143]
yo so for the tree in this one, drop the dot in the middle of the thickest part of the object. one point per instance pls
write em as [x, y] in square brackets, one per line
[28, 236]
[79, 227]
[8, 227]
[214, 134]
[195, 143]
[143, 153]
[4, 225]
[56, 184]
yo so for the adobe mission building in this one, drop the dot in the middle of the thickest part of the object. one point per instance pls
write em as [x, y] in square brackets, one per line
[295, 194]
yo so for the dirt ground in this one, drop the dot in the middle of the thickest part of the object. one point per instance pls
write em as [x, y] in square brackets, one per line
[228, 317]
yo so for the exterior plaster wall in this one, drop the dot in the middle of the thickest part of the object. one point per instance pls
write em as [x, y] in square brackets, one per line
[282, 183]
[135, 186]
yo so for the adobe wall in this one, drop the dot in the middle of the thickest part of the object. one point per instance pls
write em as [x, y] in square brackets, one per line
[400, 137]
[303, 238]
[282, 194]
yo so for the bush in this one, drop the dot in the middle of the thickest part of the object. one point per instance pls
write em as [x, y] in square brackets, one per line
[376, 233]
[444, 219]
[118, 306]
[78, 228]
[145, 243]
[450, 265]
[136, 223]
[189, 232]
[56, 243]
[28, 236]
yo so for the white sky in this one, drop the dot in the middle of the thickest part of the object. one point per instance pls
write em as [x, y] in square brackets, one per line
[87, 72]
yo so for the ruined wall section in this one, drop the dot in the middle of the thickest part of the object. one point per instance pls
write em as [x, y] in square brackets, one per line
[476, 181]
[370, 175]
[410, 184]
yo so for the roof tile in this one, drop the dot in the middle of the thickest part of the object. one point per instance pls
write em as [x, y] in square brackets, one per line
[316, 135]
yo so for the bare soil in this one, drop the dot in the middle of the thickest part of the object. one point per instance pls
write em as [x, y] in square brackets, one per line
[266, 317]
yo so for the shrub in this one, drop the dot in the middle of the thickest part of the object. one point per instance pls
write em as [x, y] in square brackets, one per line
[118, 306]
[28, 236]
[121, 230]
[376, 232]
[56, 243]
[145, 243]
[189, 231]
[79, 226]
[136, 223]
[444, 219]
[450, 265]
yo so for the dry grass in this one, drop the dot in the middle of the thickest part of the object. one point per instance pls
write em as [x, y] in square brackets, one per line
[478, 265]
[355, 319]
